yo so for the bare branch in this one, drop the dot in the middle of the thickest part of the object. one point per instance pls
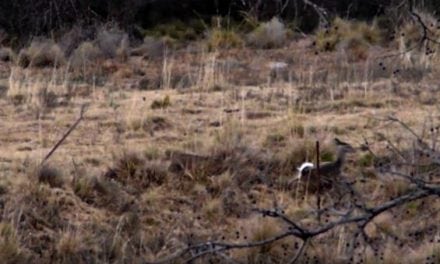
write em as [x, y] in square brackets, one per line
[83, 109]
[300, 251]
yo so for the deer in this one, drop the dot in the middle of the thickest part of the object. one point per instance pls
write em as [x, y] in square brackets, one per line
[329, 172]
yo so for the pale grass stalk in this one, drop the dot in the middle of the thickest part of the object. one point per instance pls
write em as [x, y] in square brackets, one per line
[66, 78]
[366, 82]
[167, 69]
[341, 241]
[207, 75]
[132, 112]
[209, 79]
[311, 71]
[94, 87]
[291, 95]
[243, 109]
[40, 135]
[222, 107]
[118, 231]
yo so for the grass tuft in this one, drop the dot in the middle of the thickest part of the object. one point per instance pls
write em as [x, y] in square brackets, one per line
[161, 103]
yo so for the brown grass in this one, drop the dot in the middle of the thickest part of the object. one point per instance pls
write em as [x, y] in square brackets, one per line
[112, 193]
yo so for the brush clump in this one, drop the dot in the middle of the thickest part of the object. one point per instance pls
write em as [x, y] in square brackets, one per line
[41, 53]
[268, 35]
[354, 37]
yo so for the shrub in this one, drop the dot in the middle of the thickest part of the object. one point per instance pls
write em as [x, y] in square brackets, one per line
[177, 30]
[164, 103]
[224, 39]
[7, 55]
[10, 251]
[271, 34]
[410, 37]
[152, 47]
[85, 56]
[351, 36]
[50, 175]
[356, 48]
[41, 53]
[73, 38]
[113, 43]
[131, 169]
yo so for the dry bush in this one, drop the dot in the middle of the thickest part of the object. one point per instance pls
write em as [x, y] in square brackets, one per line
[84, 188]
[85, 59]
[219, 38]
[350, 36]
[73, 38]
[37, 92]
[271, 34]
[152, 47]
[38, 207]
[196, 167]
[41, 53]
[10, 249]
[177, 31]
[74, 247]
[7, 55]
[131, 169]
[49, 175]
[256, 230]
[156, 123]
[417, 52]
[161, 103]
[113, 43]
[103, 192]
[357, 49]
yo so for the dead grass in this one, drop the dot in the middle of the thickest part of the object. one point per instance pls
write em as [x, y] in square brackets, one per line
[7, 55]
[351, 36]
[219, 38]
[41, 53]
[113, 194]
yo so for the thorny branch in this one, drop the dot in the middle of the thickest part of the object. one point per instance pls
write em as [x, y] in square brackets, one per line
[305, 235]
[425, 38]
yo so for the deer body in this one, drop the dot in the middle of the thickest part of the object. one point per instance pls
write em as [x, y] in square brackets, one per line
[328, 172]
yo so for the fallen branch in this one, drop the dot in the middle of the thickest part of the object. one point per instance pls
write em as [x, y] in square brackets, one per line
[83, 108]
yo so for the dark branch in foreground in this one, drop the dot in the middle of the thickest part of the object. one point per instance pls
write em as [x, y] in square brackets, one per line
[295, 230]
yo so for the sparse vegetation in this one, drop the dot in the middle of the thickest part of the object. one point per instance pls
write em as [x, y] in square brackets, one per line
[196, 128]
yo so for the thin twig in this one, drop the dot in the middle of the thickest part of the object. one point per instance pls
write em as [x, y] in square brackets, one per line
[300, 251]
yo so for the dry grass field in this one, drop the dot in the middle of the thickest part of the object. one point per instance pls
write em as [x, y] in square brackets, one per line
[117, 191]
